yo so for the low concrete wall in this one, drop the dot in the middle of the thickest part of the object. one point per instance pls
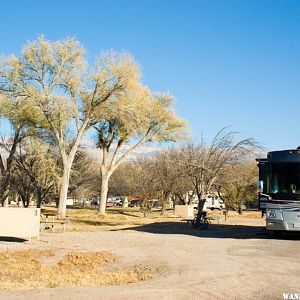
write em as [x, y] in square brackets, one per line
[184, 211]
[19, 222]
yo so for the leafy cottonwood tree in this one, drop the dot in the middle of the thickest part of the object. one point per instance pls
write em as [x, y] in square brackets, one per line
[129, 121]
[54, 77]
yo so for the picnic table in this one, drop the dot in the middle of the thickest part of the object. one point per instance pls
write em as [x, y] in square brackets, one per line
[199, 221]
[49, 219]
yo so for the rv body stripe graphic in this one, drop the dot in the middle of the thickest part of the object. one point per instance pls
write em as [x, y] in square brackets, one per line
[284, 204]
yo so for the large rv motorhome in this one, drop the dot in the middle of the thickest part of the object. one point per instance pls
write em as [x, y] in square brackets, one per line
[279, 190]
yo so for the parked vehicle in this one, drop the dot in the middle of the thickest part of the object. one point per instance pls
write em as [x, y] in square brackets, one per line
[109, 203]
[155, 203]
[212, 202]
[84, 202]
[117, 201]
[135, 202]
[279, 190]
[94, 202]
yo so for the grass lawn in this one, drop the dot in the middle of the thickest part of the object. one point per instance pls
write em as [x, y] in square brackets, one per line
[86, 219]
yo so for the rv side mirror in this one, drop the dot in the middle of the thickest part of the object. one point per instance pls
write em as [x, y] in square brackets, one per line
[260, 186]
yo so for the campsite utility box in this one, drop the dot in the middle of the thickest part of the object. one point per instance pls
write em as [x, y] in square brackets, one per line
[184, 211]
[19, 222]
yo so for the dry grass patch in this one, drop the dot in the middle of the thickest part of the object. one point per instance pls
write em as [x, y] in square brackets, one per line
[234, 214]
[25, 270]
[115, 218]
[245, 214]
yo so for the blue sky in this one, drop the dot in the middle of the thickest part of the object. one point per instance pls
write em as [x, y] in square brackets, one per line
[228, 63]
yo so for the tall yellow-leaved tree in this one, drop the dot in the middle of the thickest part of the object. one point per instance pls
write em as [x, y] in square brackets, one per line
[129, 121]
[55, 78]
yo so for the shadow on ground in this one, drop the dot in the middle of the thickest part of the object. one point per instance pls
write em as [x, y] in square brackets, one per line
[12, 239]
[214, 231]
[94, 222]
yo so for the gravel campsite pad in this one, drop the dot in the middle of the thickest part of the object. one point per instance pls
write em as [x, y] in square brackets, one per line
[165, 260]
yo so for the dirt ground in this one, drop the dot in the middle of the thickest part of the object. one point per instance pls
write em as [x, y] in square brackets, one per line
[232, 260]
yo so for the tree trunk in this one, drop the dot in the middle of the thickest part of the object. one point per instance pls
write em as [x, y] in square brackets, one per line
[162, 200]
[200, 211]
[201, 205]
[26, 203]
[125, 202]
[57, 200]
[162, 208]
[63, 194]
[5, 202]
[103, 195]
[4, 195]
[4, 192]
[25, 200]
[181, 200]
[38, 198]
[240, 209]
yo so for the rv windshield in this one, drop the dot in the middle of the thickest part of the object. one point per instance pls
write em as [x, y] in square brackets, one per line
[285, 181]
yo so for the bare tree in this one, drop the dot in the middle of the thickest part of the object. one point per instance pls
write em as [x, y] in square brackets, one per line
[150, 178]
[35, 172]
[144, 182]
[204, 164]
[121, 182]
[84, 180]
[22, 118]
[237, 185]
[168, 179]
[178, 179]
